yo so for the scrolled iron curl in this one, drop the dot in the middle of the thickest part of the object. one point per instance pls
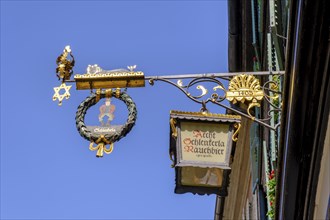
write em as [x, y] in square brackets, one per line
[111, 138]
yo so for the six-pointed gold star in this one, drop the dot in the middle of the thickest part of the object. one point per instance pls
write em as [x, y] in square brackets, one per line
[59, 96]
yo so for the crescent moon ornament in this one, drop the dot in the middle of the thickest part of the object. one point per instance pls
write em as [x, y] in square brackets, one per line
[204, 90]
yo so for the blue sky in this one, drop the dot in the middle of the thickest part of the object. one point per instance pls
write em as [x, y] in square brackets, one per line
[47, 171]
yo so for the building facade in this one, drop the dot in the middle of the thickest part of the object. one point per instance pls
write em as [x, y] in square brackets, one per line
[282, 174]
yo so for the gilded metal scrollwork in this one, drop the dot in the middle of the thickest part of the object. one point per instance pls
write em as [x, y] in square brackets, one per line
[101, 146]
[272, 94]
[202, 88]
[237, 126]
[65, 65]
[173, 127]
[201, 98]
[244, 88]
[64, 72]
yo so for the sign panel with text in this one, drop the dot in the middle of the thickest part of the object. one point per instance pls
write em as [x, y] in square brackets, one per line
[204, 140]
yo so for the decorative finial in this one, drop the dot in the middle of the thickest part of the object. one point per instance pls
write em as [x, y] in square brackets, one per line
[67, 49]
[65, 65]
[131, 68]
[92, 69]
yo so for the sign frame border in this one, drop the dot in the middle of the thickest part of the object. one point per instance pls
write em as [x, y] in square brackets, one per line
[223, 165]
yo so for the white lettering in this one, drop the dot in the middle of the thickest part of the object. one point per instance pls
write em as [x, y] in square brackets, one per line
[104, 130]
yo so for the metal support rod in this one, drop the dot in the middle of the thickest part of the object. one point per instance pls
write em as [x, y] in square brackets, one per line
[243, 85]
[211, 75]
[246, 116]
[214, 75]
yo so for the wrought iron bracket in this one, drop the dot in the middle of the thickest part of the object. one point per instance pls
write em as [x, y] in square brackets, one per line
[243, 87]
[245, 92]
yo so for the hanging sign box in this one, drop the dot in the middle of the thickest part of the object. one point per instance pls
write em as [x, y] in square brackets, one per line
[201, 150]
[203, 139]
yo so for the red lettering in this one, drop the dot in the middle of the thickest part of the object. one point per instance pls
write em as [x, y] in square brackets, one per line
[187, 141]
[188, 148]
[198, 134]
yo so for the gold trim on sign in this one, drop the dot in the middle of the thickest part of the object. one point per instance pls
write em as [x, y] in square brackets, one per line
[174, 131]
[235, 135]
[205, 114]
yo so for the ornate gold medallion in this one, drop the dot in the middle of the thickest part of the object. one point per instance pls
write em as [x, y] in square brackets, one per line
[245, 88]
